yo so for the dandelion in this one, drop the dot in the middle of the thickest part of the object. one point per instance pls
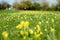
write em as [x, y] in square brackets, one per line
[21, 32]
[22, 22]
[37, 28]
[37, 35]
[51, 29]
[19, 26]
[5, 34]
[26, 24]
[30, 31]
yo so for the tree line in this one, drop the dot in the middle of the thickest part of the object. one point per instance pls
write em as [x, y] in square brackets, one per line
[28, 5]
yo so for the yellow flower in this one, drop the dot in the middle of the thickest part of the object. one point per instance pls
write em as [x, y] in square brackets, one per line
[37, 35]
[21, 32]
[5, 34]
[51, 29]
[37, 28]
[26, 24]
[30, 31]
[22, 22]
[19, 26]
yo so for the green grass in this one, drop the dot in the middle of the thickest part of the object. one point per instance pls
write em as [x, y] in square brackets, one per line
[10, 19]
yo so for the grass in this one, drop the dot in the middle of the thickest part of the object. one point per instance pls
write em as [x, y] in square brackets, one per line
[45, 19]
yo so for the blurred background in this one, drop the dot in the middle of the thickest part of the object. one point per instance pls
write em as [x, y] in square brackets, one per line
[49, 5]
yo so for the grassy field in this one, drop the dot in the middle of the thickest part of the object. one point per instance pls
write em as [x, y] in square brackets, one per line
[29, 25]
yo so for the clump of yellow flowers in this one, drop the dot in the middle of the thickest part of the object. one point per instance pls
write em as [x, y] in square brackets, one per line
[37, 28]
[26, 31]
[5, 34]
[19, 26]
[22, 24]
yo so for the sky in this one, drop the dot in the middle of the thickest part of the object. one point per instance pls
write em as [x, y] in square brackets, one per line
[49, 1]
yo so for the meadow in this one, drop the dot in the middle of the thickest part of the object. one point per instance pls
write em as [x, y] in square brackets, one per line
[29, 25]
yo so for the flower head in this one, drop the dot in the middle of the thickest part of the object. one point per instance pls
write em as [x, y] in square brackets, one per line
[37, 35]
[5, 34]
[26, 24]
[30, 31]
[19, 26]
[21, 32]
[22, 22]
[37, 28]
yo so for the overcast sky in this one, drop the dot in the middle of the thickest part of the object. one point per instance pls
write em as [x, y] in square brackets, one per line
[50, 1]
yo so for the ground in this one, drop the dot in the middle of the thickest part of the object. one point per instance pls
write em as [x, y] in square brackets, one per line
[37, 25]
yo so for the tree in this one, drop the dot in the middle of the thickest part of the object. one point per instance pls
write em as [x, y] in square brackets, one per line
[36, 6]
[25, 4]
[4, 5]
[16, 5]
[58, 5]
[45, 5]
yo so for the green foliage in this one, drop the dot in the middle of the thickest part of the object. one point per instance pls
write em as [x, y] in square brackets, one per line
[4, 5]
[8, 22]
[28, 5]
[36, 6]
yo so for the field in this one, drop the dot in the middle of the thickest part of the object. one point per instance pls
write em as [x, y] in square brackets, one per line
[29, 25]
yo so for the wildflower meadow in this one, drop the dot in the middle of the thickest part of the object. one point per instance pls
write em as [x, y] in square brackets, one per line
[29, 25]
